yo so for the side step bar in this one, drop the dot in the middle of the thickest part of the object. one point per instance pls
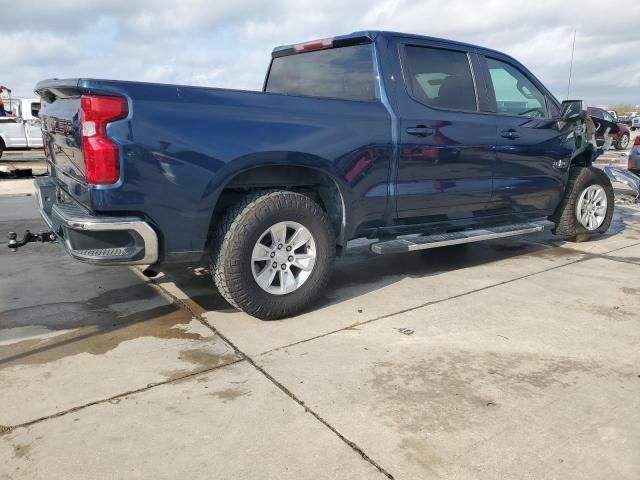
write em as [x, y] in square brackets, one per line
[401, 245]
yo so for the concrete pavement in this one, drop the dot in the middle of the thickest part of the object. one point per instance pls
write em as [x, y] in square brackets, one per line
[506, 359]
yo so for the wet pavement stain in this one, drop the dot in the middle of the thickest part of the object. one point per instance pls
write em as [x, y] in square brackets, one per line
[230, 394]
[202, 360]
[100, 337]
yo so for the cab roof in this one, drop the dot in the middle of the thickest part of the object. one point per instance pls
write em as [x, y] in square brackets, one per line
[362, 37]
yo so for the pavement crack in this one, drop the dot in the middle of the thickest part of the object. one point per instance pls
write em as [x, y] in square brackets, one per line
[245, 357]
[586, 256]
[9, 428]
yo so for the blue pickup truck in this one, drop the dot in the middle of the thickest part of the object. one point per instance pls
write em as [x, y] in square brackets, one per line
[414, 141]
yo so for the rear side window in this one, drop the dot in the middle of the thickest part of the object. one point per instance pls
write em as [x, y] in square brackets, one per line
[515, 93]
[440, 78]
[345, 72]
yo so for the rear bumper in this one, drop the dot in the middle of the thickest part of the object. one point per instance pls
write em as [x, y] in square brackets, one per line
[102, 240]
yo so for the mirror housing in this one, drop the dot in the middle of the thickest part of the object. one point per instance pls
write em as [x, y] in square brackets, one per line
[571, 109]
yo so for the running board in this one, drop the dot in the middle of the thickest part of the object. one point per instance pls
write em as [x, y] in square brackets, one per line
[401, 245]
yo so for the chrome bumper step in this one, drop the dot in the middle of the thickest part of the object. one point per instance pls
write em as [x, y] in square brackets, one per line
[98, 239]
[401, 245]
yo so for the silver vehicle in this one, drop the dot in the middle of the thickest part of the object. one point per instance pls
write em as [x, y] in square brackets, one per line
[635, 123]
[20, 129]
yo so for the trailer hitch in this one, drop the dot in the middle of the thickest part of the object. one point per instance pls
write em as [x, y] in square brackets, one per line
[41, 236]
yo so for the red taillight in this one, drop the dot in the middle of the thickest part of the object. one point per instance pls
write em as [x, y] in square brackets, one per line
[637, 141]
[101, 160]
[314, 45]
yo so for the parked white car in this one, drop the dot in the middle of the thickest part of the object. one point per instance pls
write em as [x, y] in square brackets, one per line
[20, 129]
[635, 123]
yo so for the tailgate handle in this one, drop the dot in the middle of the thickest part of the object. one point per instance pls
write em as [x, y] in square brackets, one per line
[420, 131]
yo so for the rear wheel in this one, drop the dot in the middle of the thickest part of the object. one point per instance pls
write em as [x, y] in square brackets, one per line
[272, 253]
[587, 206]
[623, 143]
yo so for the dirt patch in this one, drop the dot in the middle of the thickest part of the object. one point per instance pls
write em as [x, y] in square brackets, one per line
[631, 290]
[418, 450]
[22, 451]
[613, 313]
[455, 391]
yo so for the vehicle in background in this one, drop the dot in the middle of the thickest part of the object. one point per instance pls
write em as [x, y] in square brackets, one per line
[371, 134]
[624, 119]
[620, 138]
[20, 129]
[635, 123]
[634, 157]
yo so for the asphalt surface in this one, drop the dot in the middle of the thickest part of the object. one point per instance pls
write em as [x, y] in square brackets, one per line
[514, 358]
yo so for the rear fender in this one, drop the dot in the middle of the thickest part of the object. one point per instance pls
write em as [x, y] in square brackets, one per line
[241, 166]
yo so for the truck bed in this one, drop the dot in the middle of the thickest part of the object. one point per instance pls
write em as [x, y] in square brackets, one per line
[180, 145]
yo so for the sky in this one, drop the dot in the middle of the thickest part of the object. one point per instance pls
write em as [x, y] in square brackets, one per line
[221, 43]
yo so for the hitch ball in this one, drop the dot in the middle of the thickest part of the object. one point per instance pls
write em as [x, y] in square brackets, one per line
[13, 237]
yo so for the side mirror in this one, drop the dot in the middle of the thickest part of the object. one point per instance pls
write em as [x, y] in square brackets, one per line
[571, 109]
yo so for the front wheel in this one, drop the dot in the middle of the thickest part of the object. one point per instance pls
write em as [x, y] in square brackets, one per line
[587, 206]
[623, 143]
[272, 253]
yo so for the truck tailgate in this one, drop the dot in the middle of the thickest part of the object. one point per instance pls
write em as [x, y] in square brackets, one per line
[69, 131]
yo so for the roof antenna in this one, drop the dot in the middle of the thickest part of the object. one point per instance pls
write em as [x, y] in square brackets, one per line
[573, 48]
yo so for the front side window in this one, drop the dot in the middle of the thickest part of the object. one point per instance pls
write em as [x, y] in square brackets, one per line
[345, 73]
[515, 93]
[440, 78]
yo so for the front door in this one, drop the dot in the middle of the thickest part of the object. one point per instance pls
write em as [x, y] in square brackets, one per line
[446, 159]
[532, 156]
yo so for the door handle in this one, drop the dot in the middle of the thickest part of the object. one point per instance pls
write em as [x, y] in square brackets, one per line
[420, 131]
[511, 134]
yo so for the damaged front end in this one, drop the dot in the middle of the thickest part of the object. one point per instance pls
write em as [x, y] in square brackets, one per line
[585, 130]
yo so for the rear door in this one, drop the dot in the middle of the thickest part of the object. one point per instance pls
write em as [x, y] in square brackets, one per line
[532, 160]
[33, 131]
[446, 159]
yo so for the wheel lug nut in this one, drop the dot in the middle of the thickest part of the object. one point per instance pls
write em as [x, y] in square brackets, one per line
[283, 266]
[280, 247]
[290, 258]
[273, 254]
[289, 248]
[275, 265]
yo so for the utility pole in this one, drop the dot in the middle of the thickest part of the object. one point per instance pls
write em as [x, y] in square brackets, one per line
[573, 48]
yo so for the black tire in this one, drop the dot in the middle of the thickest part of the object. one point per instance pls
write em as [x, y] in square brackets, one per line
[565, 216]
[236, 236]
[623, 143]
[1, 148]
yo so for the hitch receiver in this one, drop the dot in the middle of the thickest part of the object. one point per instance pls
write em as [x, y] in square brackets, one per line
[41, 236]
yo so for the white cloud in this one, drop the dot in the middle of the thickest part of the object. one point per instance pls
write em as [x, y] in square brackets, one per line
[227, 43]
